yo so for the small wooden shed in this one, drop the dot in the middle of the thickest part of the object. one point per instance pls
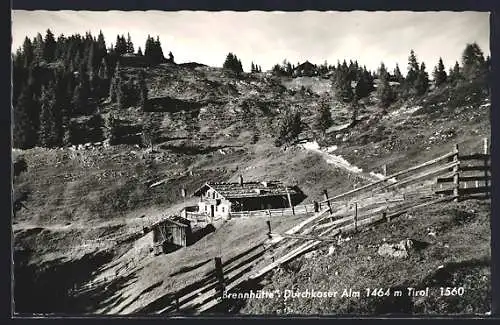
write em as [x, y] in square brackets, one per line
[171, 233]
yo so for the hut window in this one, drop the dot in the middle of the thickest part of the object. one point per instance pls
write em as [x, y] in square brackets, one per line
[205, 208]
[222, 209]
[216, 208]
[213, 195]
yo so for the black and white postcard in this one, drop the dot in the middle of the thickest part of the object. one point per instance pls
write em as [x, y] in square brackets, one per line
[251, 163]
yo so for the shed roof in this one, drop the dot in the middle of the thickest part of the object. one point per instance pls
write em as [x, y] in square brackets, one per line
[248, 189]
[176, 220]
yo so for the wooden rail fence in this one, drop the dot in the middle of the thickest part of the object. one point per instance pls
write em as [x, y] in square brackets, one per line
[298, 209]
[471, 178]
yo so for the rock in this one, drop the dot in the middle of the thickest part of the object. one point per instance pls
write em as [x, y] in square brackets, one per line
[399, 250]
[311, 254]
[331, 250]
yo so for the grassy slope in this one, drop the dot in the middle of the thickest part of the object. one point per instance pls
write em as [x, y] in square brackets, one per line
[163, 274]
[406, 137]
[462, 246]
[109, 189]
[401, 139]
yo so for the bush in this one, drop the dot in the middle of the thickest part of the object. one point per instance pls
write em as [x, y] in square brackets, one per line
[289, 128]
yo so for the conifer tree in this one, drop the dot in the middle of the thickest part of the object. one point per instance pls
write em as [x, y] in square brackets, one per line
[455, 73]
[422, 82]
[413, 69]
[27, 52]
[25, 129]
[49, 48]
[48, 130]
[385, 92]
[439, 74]
[398, 76]
[364, 84]
[383, 73]
[472, 61]
[101, 47]
[129, 45]
[323, 119]
[159, 57]
[38, 48]
[342, 84]
[232, 63]
[81, 95]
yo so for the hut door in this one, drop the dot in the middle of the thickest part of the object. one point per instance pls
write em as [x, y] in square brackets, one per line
[212, 212]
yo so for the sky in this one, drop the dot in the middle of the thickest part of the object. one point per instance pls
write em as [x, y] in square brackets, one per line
[267, 38]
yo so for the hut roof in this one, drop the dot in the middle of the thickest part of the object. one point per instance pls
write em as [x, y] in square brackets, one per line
[176, 220]
[248, 189]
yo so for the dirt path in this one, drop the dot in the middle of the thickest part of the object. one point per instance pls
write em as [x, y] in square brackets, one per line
[339, 161]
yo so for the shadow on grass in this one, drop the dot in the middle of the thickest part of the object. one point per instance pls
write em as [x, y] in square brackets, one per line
[44, 288]
[444, 276]
[190, 268]
[104, 295]
[148, 289]
[200, 233]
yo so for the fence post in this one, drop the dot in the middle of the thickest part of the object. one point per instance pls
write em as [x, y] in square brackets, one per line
[456, 180]
[316, 206]
[485, 151]
[355, 216]
[269, 228]
[290, 200]
[384, 172]
[219, 274]
[325, 194]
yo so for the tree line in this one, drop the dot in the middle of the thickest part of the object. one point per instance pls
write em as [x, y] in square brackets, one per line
[351, 82]
[57, 79]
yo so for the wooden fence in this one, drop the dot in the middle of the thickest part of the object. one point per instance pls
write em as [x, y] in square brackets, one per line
[471, 178]
[298, 209]
[349, 211]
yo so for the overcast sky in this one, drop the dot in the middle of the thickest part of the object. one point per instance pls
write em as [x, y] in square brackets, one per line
[269, 37]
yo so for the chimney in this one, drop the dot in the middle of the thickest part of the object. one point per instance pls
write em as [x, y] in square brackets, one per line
[241, 180]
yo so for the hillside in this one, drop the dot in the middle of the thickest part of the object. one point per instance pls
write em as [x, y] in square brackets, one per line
[208, 124]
